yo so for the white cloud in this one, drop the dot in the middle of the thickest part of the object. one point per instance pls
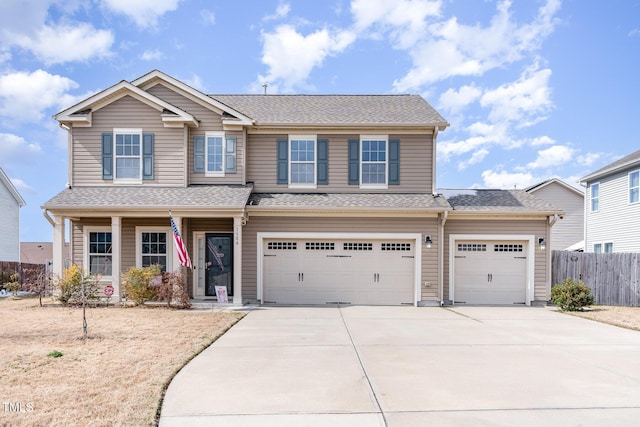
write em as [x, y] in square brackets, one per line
[64, 43]
[144, 13]
[404, 20]
[525, 101]
[195, 81]
[282, 11]
[542, 140]
[505, 180]
[291, 56]
[455, 101]
[24, 96]
[152, 55]
[556, 155]
[447, 149]
[454, 49]
[22, 186]
[475, 158]
[208, 17]
[14, 148]
[589, 159]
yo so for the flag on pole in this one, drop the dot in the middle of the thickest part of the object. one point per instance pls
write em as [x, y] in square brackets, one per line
[183, 255]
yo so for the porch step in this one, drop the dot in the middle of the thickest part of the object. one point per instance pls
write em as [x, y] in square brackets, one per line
[214, 305]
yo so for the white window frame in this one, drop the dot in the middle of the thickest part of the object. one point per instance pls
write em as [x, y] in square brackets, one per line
[170, 247]
[313, 138]
[591, 198]
[126, 131]
[384, 138]
[86, 255]
[636, 187]
[215, 134]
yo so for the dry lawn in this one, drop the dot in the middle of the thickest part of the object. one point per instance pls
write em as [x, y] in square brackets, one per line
[115, 377]
[625, 317]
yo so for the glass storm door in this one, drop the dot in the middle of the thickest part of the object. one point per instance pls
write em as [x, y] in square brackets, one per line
[219, 263]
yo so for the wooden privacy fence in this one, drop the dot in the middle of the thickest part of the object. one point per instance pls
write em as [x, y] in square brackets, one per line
[28, 272]
[614, 279]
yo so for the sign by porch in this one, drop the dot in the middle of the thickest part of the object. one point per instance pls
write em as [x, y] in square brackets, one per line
[221, 294]
[108, 290]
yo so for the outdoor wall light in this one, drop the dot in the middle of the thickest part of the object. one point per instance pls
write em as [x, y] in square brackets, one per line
[428, 242]
[542, 243]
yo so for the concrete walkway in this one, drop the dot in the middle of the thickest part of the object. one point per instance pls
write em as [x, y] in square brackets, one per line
[407, 366]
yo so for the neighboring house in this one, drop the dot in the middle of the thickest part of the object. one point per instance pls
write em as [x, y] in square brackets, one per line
[568, 233]
[290, 199]
[10, 203]
[39, 252]
[612, 207]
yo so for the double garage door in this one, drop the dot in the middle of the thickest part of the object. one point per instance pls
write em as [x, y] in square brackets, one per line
[490, 272]
[329, 271]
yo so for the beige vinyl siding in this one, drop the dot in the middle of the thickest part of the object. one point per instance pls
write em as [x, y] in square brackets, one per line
[77, 237]
[425, 226]
[416, 170]
[617, 220]
[208, 121]
[570, 229]
[127, 112]
[502, 227]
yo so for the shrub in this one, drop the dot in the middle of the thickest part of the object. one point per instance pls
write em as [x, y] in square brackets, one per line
[71, 284]
[140, 283]
[572, 295]
[174, 288]
[14, 284]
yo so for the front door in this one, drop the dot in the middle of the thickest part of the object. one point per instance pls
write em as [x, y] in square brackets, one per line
[218, 263]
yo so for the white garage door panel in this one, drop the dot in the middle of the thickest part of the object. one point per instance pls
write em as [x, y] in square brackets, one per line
[372, 272]
[490, 272]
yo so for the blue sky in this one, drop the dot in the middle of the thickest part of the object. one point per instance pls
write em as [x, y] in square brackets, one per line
[533, 89]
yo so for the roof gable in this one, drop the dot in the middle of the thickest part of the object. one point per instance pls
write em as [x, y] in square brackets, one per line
[556, 182]
[81, 113]
[625, 162]
[12, 189]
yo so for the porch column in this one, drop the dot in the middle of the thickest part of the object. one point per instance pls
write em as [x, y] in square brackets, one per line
[58, 246]
[116, 248]
[237, 260]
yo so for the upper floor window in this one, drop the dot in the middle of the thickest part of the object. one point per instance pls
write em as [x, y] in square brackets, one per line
[127, 156]
[634, 187]
[373, 169]
[214, 154]
[595, 197]
[302, 161]
[99, 251]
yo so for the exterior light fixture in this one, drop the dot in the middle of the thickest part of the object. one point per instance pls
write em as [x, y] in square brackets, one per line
[542, 244]
[428, 242]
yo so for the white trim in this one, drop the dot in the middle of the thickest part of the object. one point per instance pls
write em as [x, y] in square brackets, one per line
[591, 196]
[384, 138]
[531, 253]
[629, 187]
[214, 134]
[308, 137]
[154, 229]
[127, 131]
[12, 189]
[416, 237]
[85, 246]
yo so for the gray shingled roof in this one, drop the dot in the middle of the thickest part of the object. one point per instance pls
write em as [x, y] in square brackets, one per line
[349, 200]
[116, 197]
[496, 201]
[627, 161]
[410, 110]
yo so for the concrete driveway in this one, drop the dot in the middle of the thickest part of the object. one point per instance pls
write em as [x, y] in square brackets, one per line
[407, 366]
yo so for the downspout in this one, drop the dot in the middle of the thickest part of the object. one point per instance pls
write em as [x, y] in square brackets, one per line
[48, 218]
[552, 220]
[443, 221]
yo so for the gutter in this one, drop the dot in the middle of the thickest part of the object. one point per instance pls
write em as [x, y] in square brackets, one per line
[45, 212]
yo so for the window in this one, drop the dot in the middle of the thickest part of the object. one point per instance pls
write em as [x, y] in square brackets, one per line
[608, 248]
[302, 161]
[373, 170]
[634, 187]
[99, 252]
[282, 246]
[597, 248]
[215, 153]
[128, 154]
[595, 197]
[154, 246]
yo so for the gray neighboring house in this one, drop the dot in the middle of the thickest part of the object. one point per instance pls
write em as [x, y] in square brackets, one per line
[288, 199]
[568, 233]
[612, 207]
[10, 203]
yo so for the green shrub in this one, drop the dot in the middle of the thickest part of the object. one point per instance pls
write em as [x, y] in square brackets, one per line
[572, 295]
[139, 283]
[70, 285]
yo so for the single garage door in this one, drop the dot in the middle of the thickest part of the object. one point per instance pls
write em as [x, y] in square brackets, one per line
[316, 271]
[490, 272]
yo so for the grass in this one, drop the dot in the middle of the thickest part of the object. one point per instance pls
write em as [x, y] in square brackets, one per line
[117, 376]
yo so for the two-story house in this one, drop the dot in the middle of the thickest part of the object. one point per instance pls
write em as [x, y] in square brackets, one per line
[10, 203]
[291, 199]
[612, 207]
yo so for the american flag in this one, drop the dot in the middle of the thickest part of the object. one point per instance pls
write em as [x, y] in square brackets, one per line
[183, 255]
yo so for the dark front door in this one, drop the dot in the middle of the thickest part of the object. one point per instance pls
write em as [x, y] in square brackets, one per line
[219, 263]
